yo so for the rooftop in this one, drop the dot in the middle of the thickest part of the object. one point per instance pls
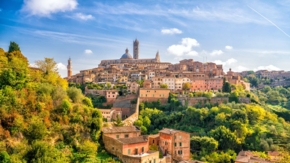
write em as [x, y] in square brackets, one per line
[169, 131]
[111, 130]
[134, 140]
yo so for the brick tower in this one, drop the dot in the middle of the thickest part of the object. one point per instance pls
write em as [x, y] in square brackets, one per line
[69, 68]
[136, 49]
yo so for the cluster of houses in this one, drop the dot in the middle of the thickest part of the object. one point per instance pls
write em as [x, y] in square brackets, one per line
[201, 76]
[130, 146]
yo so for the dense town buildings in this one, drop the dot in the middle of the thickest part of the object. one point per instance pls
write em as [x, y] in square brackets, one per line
[201, 76]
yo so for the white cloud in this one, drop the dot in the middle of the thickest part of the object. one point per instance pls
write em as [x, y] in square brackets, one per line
[216, 52]
[228, 47]
[83, 16]
[88, 51]
[227, 62]
[61, 66]
[269, 68]
[171, 31]
[47, 7]
[185, 48]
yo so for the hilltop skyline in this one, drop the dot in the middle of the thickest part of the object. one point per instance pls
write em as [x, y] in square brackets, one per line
[242, 35]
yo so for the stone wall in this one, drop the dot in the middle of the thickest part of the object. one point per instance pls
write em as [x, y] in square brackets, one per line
[202, 100]
[113, 146]
[151, 99]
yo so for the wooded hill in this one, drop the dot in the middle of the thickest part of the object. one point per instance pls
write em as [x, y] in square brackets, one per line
[41, 118]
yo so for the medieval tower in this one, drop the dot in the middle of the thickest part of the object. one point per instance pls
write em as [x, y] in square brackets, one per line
[136, 49]
[157, 57]
[69, 68]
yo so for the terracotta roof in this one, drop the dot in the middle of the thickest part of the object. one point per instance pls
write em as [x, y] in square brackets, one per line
[169, 131]
[110, 130]
[134, 140]
[274, 153]
[154, 136]
[191, 161]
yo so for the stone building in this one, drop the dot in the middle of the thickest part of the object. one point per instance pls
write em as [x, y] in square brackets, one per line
[235, 78]
[110, 114]
[176, 143]
[130, 146]
[133, 87]
[150, 94]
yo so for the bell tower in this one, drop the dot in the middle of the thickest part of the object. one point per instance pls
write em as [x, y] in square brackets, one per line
[157, 57]
[69, 68]
[136, 49]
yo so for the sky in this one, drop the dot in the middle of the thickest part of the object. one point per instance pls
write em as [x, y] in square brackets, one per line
[242, 35]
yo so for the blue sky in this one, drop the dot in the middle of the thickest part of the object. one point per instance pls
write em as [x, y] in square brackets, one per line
[242, 35]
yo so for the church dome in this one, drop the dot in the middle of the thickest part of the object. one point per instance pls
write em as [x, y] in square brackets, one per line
[126, 55]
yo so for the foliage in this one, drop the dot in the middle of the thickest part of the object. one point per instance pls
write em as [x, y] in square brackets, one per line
[13, 47]
[226, 87]
[118, 122]
[186, 86]
[4, 157]
[164, 86]
[42, 120]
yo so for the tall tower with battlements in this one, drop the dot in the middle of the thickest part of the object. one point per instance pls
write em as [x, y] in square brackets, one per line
[136, 49]
[69, 68]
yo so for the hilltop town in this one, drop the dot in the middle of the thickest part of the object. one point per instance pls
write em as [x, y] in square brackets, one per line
[127, 70]
[127, 82]
[198, 115]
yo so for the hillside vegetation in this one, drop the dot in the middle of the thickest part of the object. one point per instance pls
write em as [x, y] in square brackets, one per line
[41, 118]
[219, 132]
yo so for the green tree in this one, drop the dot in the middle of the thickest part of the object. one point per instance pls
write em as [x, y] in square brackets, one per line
[43, 152]
[226, 139]
[36, 129]
[186, 86]
[118, 122]
[226, 86]
[48, 65]
[146, 122]
[4, 157]
[164, 86]
[204, 143]
[13, 47]
[75, 94]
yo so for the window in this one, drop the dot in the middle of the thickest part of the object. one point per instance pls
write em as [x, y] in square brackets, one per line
[117, 136]
[142, 149]
[174, 144]
[129, 151]
[126, 135]
[152, 141]
[180, 144]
